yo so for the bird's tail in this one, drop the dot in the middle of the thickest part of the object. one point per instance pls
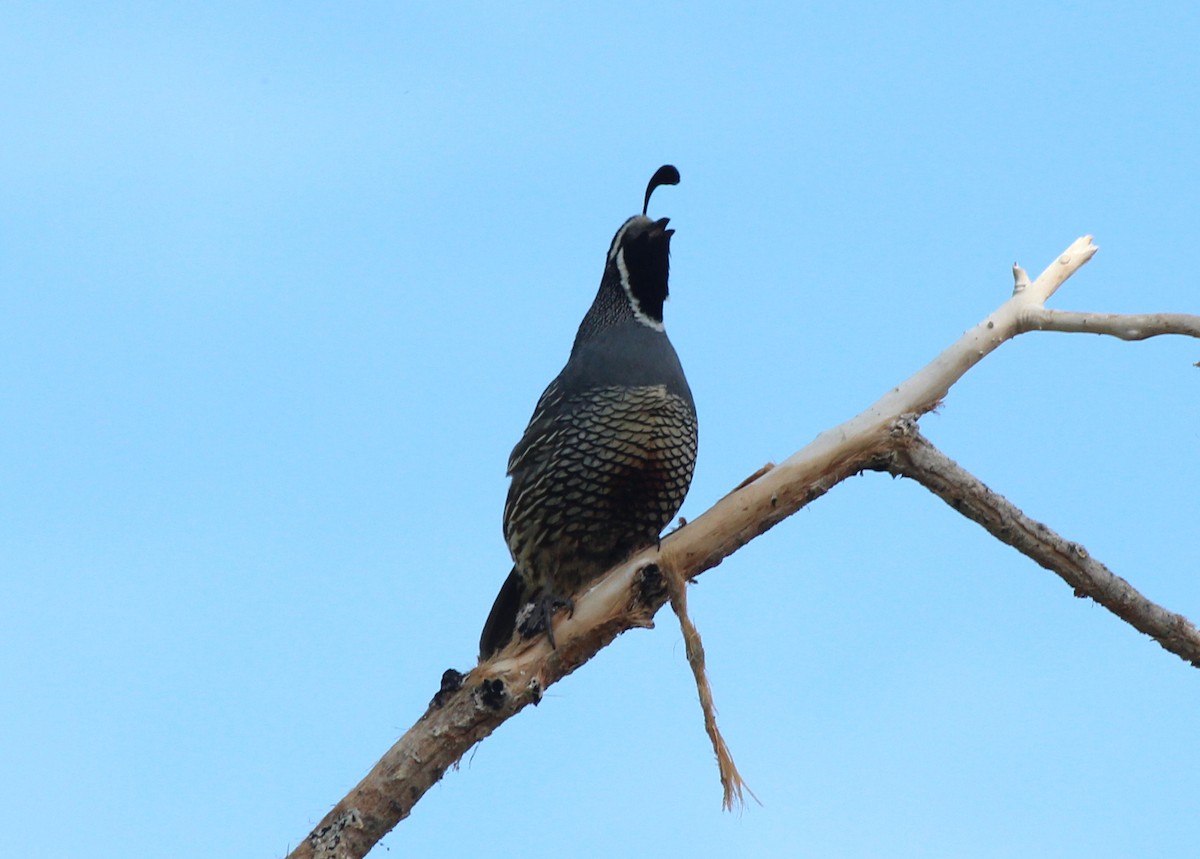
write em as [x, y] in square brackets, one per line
[502, 620]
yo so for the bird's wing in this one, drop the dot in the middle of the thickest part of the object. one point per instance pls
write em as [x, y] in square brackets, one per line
[540, 425]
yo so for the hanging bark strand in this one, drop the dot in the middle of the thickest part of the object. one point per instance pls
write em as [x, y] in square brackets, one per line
[733, 786]
[469, 707]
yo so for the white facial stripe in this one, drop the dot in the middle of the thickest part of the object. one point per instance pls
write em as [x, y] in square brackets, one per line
[616, 242]
[617, 239]
[620, 236]
[633, 302]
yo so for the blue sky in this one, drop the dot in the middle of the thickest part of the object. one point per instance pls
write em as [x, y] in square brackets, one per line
[281, 283]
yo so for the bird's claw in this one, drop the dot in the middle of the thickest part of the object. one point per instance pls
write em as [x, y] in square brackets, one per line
[539, 615]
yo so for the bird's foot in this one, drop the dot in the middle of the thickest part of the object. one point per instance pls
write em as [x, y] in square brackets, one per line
[539, 615]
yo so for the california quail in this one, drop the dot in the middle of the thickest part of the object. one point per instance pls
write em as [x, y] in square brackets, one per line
[608, 455]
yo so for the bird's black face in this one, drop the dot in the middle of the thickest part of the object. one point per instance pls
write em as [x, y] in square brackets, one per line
[641, 254]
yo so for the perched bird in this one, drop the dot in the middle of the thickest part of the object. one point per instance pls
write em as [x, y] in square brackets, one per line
[608, 455]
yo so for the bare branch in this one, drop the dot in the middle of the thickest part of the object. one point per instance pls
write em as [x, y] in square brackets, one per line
[1077, 253]
[1126, 326]
[927, 387]
[469, 707]
[919, 460]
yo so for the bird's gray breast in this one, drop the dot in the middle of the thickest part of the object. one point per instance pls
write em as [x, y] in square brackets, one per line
[630, 355]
